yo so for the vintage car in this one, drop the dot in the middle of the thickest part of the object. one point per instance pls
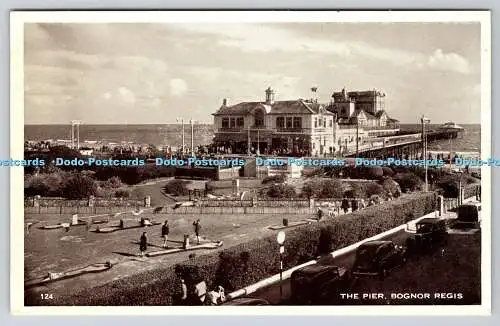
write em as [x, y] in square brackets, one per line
[318, 284]
[378, 258]
[429, 233]
[468, 216]
[246, 302]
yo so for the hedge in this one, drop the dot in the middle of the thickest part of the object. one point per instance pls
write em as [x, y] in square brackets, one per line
[247, 263]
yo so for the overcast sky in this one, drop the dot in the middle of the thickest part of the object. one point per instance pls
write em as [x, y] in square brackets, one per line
[153, 73]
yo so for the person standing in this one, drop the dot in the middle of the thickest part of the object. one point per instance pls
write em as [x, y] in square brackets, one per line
[165, 230]
[143, 243]
[197, 229]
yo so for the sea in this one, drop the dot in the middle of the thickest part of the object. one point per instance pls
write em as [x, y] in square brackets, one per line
[171, 135]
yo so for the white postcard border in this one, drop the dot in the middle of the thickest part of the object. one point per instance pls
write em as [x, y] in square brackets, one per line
[17, 140]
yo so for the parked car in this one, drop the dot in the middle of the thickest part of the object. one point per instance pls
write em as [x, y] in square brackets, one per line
[318, 284]
[378, 258]
[246, 302]
[468, 216]
[429, 233]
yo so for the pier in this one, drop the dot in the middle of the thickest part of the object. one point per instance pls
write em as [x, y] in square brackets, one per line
[400, 145]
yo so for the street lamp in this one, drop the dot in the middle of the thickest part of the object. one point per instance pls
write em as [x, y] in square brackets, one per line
[181, 120]
[281, 240]
[192, 122]
[425, 121]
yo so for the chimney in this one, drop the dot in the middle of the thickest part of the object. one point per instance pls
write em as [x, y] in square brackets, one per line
[224, 102]
[269, 96]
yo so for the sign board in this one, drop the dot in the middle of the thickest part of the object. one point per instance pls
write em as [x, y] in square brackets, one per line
[281, 237]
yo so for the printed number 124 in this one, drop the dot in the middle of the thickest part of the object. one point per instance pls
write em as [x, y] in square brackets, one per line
[47, 296]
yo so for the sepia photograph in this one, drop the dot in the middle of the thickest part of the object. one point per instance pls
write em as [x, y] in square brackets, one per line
[336, 162]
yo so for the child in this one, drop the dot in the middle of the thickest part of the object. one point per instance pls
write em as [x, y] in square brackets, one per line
[143, 246]
[165, 230]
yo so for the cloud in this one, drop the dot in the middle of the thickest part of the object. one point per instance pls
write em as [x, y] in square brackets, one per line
[126, 94]
[178, 86]
[449, 62]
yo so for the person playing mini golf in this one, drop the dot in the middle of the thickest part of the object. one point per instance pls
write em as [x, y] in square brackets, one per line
[165, 230]
[197, 229]
[143, 243]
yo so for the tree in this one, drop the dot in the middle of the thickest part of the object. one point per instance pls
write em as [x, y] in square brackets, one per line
[78, 186]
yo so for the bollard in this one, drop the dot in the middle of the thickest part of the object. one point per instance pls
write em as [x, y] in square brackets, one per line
[185, 243]
[147, 201]
[74, 219]
[441, 205]
[311, 202]
[36, 201]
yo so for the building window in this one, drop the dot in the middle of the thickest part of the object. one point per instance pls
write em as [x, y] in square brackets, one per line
[233, 123]
[259, 118]
[315, 122]
[280, 122]
[289, 123]
[240, 122]
[324, 122]
[331, 123]
[297, 122]
[225, 122]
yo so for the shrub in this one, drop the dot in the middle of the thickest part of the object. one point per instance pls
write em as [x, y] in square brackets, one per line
[281, 191]
[113, 182]
[373, 188]
[391, 187]
[329, 188]
[279, 178]
[78, 186]
[387, 171]
[177, 187]
[122, 193]
[371, 172]
[249, 262]
[408, 181]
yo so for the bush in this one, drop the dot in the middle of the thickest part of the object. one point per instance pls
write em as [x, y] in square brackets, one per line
[177, 187]
[408, 181]
[373, 188]
[78, 186]
[329, 188]
[113, 182]
[281, 191]
[122, 193]
[279, 178]
[387, 171]
[391, 187]
[249, 262]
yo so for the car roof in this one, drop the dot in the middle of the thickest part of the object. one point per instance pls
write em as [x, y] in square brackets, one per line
[246, 301]
[374, 243]
[315, 268]
[429, 220]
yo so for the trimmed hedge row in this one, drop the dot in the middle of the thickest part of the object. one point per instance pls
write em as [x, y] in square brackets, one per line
[247, 263]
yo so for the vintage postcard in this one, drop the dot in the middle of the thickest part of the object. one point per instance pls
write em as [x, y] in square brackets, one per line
[186, 162]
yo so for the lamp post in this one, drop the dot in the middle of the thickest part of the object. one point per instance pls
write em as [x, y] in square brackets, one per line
[357, 137]
[181, 120]
[281, 240]
[191, 122]
[425, 121]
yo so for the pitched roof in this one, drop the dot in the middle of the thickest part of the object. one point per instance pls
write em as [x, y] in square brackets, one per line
[278, 107]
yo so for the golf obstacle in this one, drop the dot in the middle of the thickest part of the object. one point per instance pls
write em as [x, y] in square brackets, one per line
[52, 277]
[210, 245]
